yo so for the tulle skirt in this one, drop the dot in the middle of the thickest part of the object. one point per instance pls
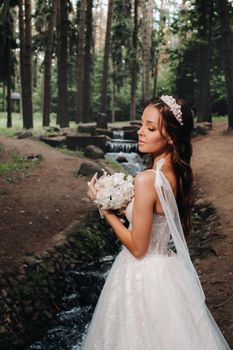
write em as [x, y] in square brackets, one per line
[149, 304]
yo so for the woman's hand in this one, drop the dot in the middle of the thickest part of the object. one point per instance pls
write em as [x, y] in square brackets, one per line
[91, 192]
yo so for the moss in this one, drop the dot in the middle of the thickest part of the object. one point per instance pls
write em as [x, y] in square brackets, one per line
[117, 167]
[96, 240]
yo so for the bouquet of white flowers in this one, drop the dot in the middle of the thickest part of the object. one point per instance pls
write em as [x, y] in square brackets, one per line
[114, 191]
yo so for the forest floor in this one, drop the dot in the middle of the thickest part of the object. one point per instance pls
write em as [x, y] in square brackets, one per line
[39, 201]
[44, 199]
[212, 163]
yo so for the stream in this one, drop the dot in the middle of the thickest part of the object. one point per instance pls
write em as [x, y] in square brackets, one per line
[83, 285]
[81, 292]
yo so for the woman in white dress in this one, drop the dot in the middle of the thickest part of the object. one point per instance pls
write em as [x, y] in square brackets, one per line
[152, 298]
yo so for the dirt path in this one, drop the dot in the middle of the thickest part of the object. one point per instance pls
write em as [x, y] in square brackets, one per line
[44, 200]
[213, 168]
[48, 197]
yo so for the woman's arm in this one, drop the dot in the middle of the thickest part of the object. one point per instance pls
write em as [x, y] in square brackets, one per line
[137, 239]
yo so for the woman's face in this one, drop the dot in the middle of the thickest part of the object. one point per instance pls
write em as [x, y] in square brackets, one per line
[150, 138]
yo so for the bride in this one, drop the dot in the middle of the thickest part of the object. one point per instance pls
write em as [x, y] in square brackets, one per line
[152, 298]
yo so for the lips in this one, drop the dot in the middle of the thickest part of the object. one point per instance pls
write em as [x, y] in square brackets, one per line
[140, 141]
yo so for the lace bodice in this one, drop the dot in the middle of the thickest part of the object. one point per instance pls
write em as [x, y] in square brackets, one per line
[160, 234]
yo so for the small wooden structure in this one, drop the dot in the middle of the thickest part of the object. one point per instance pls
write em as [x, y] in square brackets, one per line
[15, 102]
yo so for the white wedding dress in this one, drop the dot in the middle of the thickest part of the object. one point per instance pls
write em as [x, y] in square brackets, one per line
[157, 302]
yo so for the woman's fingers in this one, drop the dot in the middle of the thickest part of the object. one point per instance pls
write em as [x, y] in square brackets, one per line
[93, 179]
[91, 187]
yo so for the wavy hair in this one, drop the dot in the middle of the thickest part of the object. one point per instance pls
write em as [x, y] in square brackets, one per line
[181, 152]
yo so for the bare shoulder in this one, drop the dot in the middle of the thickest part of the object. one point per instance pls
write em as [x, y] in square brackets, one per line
[144, 177]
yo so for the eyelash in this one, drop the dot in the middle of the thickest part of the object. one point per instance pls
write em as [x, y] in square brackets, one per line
[150, 129]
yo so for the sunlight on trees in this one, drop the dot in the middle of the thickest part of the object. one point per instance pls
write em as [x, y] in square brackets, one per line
[82, 60]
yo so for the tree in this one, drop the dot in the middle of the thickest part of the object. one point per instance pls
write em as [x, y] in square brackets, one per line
[104, 89]
[88, 64]
[26, 61]
[28, 113]
[147, 10]
[62, 98]
[80, 62]
[227, 54]
[47, 64]
[8, 43]
[121, 48]
[204, 10]
[134, 64]
[157, 45]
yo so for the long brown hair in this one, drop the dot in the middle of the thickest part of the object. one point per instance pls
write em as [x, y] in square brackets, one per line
[181, 152]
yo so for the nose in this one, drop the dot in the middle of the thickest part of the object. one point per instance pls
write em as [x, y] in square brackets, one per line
[140, 130]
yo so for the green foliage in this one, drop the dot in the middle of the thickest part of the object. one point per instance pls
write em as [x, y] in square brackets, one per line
[13, 165]
[95, 240]
[76, 153]
[117, 167]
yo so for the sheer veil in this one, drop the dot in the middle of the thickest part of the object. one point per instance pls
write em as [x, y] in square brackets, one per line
[170, 209]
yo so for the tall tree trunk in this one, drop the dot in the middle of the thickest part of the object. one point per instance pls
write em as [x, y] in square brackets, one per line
[134, 63]
[27, 113]
[227, 54]
[9, 83]
[147, 8]
[62, 103]
[47, 65]
[156, 66]
[113, 102]
[58, 30]
[104, 91]
[88, 64]
[3, 97]
[22, 54]
[80, 63]
[160, 39]
[204, 9]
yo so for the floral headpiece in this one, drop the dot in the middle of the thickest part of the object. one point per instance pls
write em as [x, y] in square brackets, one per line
[176, 109]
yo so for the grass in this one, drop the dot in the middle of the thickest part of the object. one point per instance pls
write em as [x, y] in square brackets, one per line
[15, 164]
[17, 123]
[116, 166]
[76, 153]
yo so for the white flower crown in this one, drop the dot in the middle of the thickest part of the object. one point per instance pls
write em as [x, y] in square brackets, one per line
[176, 109]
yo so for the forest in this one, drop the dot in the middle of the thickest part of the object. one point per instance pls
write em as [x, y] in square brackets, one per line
[82, 60]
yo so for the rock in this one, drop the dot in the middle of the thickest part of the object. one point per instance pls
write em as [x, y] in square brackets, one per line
[200, 130]
[88, 169]
[34, 157]
[106, 132]
[93, 152]
[88, 128]
[121, 159]
[60, 246]
[200, 202]
[23, 269]
[4, 293]
[21, 278]
[31, 261]
[28, 309]
[50, 269]
[45, 255]
[24, 134]
[48, 315]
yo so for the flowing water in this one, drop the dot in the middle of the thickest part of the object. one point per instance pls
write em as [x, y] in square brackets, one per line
[79, 299]
[124, 151]
[81, 292]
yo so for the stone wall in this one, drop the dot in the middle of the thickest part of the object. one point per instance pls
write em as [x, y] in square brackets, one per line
[31, 296]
